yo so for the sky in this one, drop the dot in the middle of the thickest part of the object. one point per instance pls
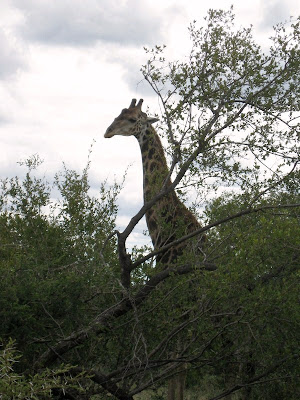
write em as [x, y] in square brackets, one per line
[68, 67]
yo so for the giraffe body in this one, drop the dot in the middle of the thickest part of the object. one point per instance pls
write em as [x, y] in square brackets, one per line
[168, 219]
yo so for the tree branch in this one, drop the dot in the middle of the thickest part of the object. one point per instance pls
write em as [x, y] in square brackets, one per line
[101, 322]
[208, 227]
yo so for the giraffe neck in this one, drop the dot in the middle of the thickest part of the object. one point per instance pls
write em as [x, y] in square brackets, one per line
[155, 173]
[168, 219]
[155, 169]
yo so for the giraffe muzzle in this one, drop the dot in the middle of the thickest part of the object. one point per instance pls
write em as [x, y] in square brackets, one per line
[109, 133]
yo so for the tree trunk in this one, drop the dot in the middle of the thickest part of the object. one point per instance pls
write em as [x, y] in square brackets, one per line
[176, 385]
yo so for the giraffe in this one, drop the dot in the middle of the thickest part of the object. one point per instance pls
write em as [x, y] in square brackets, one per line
[168, 219]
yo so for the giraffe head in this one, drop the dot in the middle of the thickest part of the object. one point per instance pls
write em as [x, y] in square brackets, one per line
[130, 122]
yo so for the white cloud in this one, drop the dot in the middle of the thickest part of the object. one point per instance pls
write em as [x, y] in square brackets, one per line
[275, 11]
[84, 23]
[11, 56]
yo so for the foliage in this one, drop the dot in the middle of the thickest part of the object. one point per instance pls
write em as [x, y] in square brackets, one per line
[258, 280]
[51, 258]
[39, 386]
[229, 109]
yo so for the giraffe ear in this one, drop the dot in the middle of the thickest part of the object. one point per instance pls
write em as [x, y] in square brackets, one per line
[151, 120]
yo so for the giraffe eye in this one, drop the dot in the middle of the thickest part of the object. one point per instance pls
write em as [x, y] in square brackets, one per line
[132, 120]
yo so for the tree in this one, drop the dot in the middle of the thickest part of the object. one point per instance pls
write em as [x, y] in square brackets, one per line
[51, 261]
[229, 117]
[259, 258]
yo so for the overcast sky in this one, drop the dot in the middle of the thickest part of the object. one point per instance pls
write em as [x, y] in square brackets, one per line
[68, 67]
